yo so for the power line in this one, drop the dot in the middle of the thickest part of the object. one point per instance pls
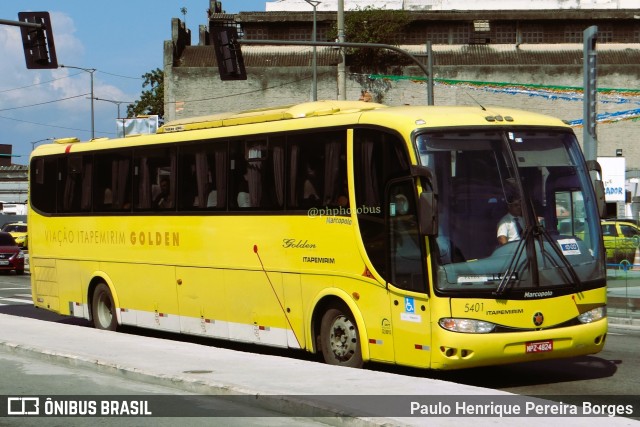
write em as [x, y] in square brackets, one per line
[43, 103]
[66, 77]
[37, 84]
[54, 126]
[118, 75]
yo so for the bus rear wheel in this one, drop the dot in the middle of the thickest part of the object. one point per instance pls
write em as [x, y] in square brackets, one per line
[339, 338]
[103, 309]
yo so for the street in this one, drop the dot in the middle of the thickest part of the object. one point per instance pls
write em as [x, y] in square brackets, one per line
[26, 376]
[611, 372]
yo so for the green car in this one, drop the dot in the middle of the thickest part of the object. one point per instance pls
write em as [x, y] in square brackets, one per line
[621, 240]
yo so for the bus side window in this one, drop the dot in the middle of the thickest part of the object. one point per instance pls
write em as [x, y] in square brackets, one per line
[317, 167]
[43, 184]
[112, 182]
[154, 173]
[258, 173]
[75, 184]
[202, 179]
[238, 184]
[188, 188]
[378, 158]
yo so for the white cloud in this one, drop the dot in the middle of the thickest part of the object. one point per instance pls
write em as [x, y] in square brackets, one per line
[21, 87]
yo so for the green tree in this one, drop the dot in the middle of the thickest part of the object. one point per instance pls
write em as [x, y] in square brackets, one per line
[371, 25]
[152, 99]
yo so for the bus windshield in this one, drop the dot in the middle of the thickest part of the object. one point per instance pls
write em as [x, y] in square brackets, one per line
[516, 213]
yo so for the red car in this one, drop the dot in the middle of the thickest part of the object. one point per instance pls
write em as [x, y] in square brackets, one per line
[11, 256]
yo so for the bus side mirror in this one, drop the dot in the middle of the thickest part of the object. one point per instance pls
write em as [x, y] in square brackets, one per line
[595, 171]
[427, 213]
[428, 203]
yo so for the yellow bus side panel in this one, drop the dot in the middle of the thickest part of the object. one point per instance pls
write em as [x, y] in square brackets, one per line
[44, 288]
[73, 295]
[202, 301]
[150, 289]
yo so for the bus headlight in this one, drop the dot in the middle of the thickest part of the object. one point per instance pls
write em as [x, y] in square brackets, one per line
[593, 315]
[469, 326]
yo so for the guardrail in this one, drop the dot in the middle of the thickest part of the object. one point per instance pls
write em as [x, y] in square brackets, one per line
[623, 290]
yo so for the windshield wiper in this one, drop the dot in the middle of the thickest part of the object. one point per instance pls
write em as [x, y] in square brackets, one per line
[512, 268]
[513, 264]
[563, 259]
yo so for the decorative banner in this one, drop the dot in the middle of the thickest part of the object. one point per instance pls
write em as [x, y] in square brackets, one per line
[552, 93]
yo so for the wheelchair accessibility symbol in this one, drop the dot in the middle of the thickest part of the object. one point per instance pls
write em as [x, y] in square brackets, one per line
[409, 305]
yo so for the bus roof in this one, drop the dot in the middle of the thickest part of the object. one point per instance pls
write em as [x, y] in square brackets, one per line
[404, 119]
[307, 109]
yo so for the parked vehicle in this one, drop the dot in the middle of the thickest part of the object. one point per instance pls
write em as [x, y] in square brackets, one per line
[19, 232]
[11, 256]
[621, 240]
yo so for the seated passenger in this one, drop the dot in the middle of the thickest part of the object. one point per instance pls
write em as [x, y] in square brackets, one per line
[163, 199]
[309, 187]
[510, 226]
[244, 198]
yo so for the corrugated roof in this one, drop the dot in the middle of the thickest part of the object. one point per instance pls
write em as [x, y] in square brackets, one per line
[14, 168]
[204, 56]
[489, 55]
[456, 15]
[298, 56]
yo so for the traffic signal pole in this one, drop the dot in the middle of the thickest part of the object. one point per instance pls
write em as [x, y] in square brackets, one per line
[37, 39]
[424, 68]
[589, 137]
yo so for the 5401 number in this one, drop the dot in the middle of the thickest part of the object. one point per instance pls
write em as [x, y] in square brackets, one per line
[474, 308]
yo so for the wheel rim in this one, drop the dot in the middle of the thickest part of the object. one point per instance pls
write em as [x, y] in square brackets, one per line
[343, 339]
[104, 310]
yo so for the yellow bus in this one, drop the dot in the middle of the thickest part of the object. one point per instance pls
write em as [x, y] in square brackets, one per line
[356, 230]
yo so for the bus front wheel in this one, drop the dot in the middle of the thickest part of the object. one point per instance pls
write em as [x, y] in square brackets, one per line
[339, 337]
[103, 309]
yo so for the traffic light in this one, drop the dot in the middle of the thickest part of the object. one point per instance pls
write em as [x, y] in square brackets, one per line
[228, 53]
[37, 41]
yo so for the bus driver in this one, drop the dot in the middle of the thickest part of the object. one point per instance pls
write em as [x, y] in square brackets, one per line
[510, 226]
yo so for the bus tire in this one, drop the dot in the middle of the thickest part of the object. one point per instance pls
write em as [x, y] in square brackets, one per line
[103, 310]
[339, 337]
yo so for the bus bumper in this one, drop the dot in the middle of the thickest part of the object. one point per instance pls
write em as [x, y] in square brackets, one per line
[466, 350]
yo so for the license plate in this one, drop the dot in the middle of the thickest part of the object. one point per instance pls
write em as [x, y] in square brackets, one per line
[4, 262]
[539, 346]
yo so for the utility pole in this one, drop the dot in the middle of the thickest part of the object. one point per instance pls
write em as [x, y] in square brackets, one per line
[342, 65]
[314, 87]
[90, 71]
[590, 140]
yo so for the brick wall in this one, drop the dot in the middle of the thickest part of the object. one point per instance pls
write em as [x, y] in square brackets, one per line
[199, 91]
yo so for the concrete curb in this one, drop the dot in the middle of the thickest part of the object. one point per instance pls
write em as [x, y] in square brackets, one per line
[278, 403]
[285, 385]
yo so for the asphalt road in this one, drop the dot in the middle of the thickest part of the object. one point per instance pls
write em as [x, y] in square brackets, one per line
[609, 373]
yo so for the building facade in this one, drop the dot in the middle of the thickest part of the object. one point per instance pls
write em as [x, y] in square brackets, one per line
[531, 59]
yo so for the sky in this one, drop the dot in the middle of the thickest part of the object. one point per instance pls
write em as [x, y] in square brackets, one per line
[121, 39]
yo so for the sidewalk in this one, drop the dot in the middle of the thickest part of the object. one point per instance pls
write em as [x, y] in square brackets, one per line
[281, 384]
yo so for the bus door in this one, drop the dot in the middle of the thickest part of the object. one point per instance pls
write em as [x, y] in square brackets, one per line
[406, 278]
